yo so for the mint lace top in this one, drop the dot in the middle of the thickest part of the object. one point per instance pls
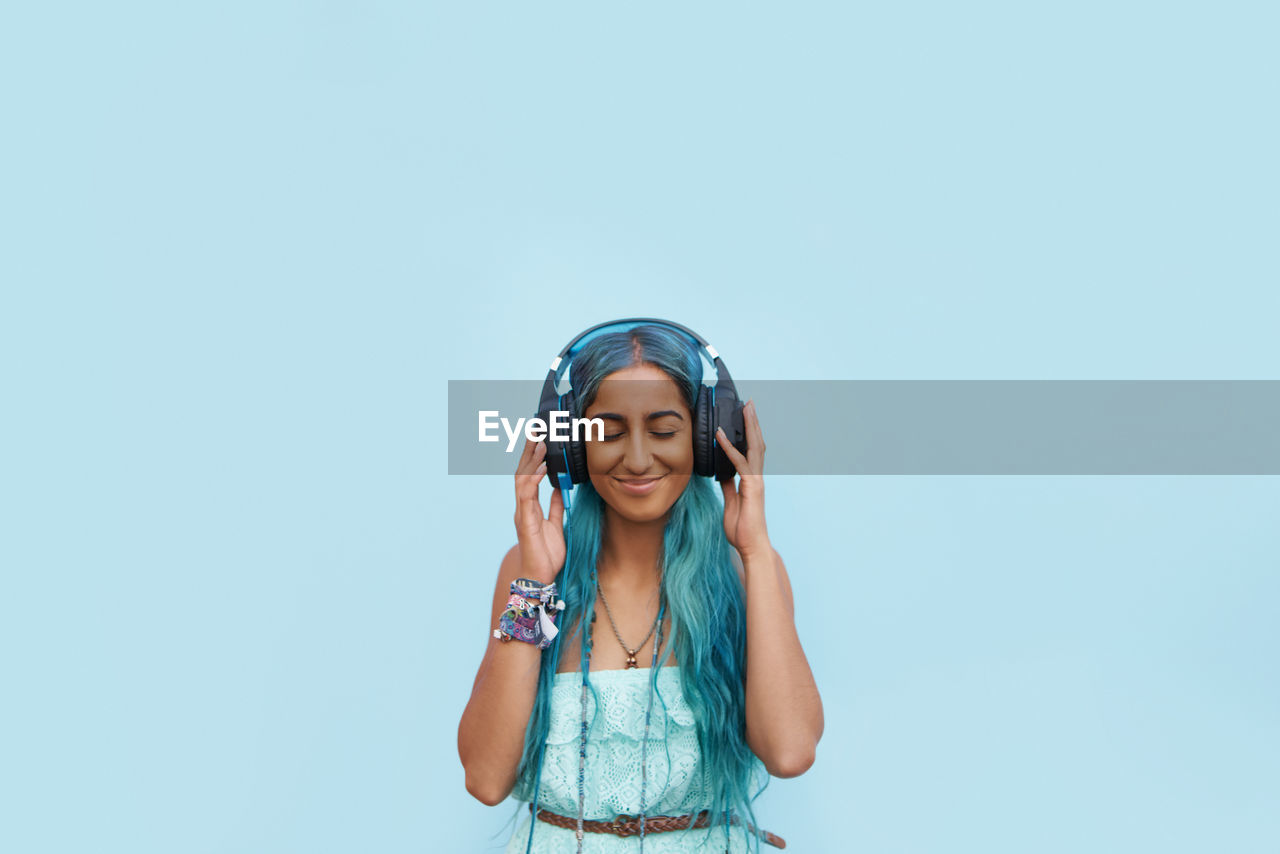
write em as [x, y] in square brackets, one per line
[676, 782]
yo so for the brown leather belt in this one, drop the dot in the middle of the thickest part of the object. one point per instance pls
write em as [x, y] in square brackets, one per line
[629, 825]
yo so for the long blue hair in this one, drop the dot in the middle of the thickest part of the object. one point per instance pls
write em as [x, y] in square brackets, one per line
[700, 584]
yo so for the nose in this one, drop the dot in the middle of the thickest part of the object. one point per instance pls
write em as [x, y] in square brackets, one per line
[637, 459]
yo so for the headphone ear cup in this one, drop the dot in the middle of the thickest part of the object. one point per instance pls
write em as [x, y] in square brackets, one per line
[704, 434]
[560, 454]
[554, 458]
[578, 461]
[576, 451]
[729, 416]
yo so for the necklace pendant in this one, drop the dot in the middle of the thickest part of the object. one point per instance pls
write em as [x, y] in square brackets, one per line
[631, 662]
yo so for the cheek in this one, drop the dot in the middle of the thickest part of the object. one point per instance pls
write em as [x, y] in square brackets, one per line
[679, 483]
[682, 459]
[601, 456]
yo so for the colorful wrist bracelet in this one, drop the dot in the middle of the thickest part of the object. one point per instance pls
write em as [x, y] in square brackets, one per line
[530, 614]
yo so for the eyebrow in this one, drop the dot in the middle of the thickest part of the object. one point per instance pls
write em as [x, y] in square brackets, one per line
[613, 416]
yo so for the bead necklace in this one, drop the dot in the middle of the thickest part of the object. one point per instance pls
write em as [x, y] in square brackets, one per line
[631, 653]
[644, 746]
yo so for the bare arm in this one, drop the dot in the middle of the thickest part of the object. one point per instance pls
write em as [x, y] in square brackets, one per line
[784, 719]
[491, 733]
[783, 709]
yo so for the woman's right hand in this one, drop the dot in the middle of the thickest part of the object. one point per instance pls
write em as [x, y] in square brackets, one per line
[542, 548]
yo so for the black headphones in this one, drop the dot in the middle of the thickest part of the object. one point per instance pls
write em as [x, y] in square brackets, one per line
[715, 406]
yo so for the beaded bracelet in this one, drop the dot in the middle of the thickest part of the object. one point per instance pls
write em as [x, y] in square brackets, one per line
[530, 614]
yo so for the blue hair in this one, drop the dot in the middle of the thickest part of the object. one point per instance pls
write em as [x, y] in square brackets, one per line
[701, 586]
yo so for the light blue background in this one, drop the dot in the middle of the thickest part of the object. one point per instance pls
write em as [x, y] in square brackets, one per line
[246, 245]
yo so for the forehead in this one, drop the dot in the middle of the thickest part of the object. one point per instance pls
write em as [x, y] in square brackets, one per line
[639, 389]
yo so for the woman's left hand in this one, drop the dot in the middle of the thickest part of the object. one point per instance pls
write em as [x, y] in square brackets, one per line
[744, 505]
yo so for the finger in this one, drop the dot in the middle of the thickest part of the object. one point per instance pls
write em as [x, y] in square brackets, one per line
[730, 496]
[526, 454]
[734, 455]
[533, 452]
[755, 438]
[556, 516]
[539, 450]
[527, 484]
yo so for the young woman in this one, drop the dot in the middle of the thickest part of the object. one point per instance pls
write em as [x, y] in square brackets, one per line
[675, 671]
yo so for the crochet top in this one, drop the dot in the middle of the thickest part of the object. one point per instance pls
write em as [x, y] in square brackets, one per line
[676, 785]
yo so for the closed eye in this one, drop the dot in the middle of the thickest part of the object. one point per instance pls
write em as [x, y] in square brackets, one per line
[616, 436]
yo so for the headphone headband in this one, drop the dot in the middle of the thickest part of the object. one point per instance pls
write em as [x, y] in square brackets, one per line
[715, 406]
[626, 324]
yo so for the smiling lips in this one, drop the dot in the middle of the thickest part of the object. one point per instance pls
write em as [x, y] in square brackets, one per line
[638, 486]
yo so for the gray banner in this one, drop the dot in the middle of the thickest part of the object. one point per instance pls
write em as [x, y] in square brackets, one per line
[957, 426]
